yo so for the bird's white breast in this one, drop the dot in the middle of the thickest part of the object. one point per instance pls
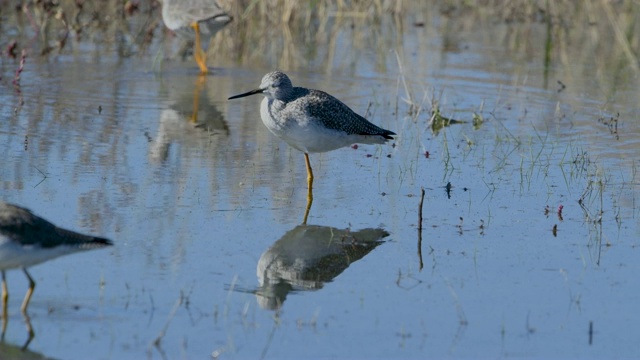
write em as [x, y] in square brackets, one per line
[15, 255]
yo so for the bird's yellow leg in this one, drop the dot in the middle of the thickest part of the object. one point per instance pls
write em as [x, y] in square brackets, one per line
[5, 295]
[27, 298]
[309, 171]
[5, 299]
[198, 53]
[309, 188]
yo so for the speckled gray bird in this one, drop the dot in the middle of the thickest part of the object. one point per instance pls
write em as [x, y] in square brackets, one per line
[311, 120]
[27, 240]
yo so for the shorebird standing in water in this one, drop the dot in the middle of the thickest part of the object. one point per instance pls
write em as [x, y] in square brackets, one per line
[311, 121]
[27, 240]
[202, 18]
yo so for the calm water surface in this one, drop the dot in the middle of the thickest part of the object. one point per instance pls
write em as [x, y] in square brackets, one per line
[205, 206]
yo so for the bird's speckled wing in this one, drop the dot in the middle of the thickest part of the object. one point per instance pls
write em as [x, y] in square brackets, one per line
[333, 113]
[22, 225]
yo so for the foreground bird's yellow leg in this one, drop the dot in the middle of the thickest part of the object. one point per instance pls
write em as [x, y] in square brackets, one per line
[198, 53]
[5, 295]
[27, 298]
[5, 299]
[309, 188]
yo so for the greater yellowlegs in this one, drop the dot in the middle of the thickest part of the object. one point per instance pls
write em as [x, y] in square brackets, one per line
[202, 18]
[310, 120]
[27, 240]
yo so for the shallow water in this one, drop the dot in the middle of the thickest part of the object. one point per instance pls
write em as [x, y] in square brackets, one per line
[198, 202]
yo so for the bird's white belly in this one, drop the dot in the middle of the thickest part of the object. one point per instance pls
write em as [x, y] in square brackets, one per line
[314, 139]
[306, 135]
[14, 255]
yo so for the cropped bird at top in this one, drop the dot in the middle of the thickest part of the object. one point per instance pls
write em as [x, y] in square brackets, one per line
[194, 19]
[310, 120]
[27, 240]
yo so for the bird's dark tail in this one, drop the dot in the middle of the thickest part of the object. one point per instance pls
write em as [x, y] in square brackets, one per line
[388, 134]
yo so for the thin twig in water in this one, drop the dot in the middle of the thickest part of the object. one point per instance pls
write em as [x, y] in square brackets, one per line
[420, 209]
[409, 98]
[276, 323]
[43, 179]
[176, 306]
[420, 228]
[505, 129]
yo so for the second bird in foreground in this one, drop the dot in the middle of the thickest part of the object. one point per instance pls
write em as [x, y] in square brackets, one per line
[27, 240]
[311, 120]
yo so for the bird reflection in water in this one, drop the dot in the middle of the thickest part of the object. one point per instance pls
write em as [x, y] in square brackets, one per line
[307, 257]
[186, 119]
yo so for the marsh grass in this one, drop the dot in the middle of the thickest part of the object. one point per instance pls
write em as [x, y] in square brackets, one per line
[299, 30]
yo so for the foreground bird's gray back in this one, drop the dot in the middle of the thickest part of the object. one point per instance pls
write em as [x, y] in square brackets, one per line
[289, 102]
[22, 226]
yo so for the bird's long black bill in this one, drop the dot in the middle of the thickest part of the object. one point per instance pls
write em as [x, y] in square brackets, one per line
[252, 92]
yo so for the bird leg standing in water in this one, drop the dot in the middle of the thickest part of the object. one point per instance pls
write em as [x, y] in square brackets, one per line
[27, 240]
[309, 171]
[311, 121]
[5, 300]
[27, 298]
[198, 53]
